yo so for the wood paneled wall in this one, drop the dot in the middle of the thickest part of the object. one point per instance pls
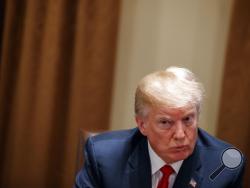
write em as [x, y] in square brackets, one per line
[234, 117]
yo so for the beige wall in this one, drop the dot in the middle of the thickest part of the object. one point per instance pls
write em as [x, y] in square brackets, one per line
[155, 34]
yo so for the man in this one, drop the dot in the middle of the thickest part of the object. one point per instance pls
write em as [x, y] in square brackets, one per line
[167, 149]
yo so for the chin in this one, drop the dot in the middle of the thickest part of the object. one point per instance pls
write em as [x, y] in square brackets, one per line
[178, 156]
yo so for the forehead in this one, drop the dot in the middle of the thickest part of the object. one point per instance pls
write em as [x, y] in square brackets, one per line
[173, 112]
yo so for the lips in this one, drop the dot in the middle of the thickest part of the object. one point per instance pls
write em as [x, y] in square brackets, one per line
[180, 148]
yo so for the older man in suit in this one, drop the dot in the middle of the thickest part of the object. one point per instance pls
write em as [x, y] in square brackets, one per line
[167, 149]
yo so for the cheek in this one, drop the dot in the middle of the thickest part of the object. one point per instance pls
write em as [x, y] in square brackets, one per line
[161, 139]
[192, 135]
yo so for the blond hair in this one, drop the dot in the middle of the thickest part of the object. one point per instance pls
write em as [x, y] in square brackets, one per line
[174, 87]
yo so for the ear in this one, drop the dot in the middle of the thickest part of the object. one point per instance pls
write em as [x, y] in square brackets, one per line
[141, 124]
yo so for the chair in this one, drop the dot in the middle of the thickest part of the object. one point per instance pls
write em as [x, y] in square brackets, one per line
[83, 136]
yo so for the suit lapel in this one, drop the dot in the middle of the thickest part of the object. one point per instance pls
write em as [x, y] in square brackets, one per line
[139, 168]
[189, 174]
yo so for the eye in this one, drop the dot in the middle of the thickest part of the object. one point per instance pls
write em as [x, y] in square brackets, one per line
[188, 120]
[165, 123]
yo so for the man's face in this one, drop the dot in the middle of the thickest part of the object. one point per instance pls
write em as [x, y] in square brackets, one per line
[171, 132]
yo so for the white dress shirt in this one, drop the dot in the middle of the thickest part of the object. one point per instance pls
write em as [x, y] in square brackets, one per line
[157, 163]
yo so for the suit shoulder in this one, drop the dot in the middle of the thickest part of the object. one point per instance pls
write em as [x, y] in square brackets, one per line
[205, 140]
[115, 141]
[117, 135]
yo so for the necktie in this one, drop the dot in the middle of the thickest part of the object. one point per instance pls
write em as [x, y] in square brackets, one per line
[166, 171]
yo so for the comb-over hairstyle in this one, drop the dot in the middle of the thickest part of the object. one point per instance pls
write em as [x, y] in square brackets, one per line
[174, 88]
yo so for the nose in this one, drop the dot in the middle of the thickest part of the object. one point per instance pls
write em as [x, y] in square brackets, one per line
[179, 133]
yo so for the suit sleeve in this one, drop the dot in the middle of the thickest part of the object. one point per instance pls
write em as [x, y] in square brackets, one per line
[89, 176]
[238, 182]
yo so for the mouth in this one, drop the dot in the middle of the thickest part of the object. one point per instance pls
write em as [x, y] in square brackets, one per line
[180, 148]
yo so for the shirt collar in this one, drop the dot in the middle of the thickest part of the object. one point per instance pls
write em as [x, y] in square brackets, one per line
[157, 162]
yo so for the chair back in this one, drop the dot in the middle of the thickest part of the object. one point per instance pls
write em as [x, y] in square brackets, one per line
[83, 136]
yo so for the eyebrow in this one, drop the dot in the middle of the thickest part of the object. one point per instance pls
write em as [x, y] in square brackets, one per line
[188, 114]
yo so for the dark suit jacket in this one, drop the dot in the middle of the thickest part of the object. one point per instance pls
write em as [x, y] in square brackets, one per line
[120, 159]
